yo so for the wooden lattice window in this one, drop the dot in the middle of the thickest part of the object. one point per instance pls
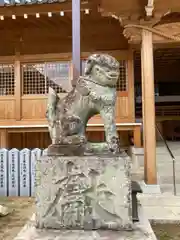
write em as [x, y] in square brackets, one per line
[57, 74]
[34, 80]
[122, 82]
[37, 78]
[7, 81]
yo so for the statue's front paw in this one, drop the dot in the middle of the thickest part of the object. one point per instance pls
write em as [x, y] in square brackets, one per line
[114, 145]
[109, 101]
[94, 96]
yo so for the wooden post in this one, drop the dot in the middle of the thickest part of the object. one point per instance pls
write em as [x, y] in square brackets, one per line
[17, 74]
[76, 52]
[148, 108]
[137, 136]
[130, 85]
[4, 138]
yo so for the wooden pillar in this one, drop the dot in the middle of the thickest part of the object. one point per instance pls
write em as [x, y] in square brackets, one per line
[17, 74]
[4, 138]
[76, 47]
[137, 136]
[150, 173]
[130, 66]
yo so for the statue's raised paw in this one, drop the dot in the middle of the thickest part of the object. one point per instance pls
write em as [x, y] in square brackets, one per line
[94, 96]
[82, 87]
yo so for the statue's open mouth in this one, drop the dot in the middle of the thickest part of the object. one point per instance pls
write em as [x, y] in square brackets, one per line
[112, 76]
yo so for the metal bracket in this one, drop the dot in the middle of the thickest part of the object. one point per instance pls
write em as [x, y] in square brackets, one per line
[135, 189]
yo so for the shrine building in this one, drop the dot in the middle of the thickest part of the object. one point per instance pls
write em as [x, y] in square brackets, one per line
[45, 43]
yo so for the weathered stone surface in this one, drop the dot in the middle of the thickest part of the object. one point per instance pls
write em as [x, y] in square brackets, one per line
[95, 93]
[91, 192]
[45, 234]
[141, 231]
[3, 211]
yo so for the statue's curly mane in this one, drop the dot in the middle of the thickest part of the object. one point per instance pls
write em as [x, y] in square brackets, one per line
[101, 60]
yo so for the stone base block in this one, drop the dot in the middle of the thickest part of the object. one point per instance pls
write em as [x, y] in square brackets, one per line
[87, 192]
[142, 231]
[137, 155]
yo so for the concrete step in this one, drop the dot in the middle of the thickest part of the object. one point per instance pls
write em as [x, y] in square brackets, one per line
[168, 168]
[173, 145]
[164, 168]
[163, 178]
[160, 200]
[163, 164]
[166, 165]
[165, 153]
[167, 156]
[160, 207]
[168, 180]
[165, 161]
[168, 188]
[177, 153]
[168, 173]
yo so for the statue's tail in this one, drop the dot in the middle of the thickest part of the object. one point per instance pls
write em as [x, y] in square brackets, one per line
[52, 103]
[52, 97]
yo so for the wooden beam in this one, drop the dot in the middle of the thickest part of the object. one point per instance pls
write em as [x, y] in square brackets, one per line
[76, 35]
[123, 8]
[60, 42]
[119, 54]
[148, 108]
[23, 28]
[32, 9]
[162, 7]
[64, 33]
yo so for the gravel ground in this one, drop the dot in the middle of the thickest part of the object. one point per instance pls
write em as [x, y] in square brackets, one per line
[167, 231]
[22, 209]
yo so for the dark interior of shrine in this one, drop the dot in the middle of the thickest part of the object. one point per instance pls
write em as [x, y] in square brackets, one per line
[167, 90]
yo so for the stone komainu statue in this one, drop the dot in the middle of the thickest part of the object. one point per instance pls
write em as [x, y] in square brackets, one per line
[95, 93]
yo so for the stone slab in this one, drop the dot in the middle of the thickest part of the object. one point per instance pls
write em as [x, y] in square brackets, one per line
[142, 231]
[150, 189]
[160, 208]
[169, 189]
[89, 192]
[159, 200]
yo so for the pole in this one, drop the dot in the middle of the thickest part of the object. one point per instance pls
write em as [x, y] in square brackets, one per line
[76, 36]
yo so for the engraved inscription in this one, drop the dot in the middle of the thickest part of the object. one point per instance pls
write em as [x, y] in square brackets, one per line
[83, 193]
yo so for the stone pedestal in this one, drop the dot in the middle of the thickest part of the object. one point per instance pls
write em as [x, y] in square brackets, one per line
[87, 192]
[142, 231]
